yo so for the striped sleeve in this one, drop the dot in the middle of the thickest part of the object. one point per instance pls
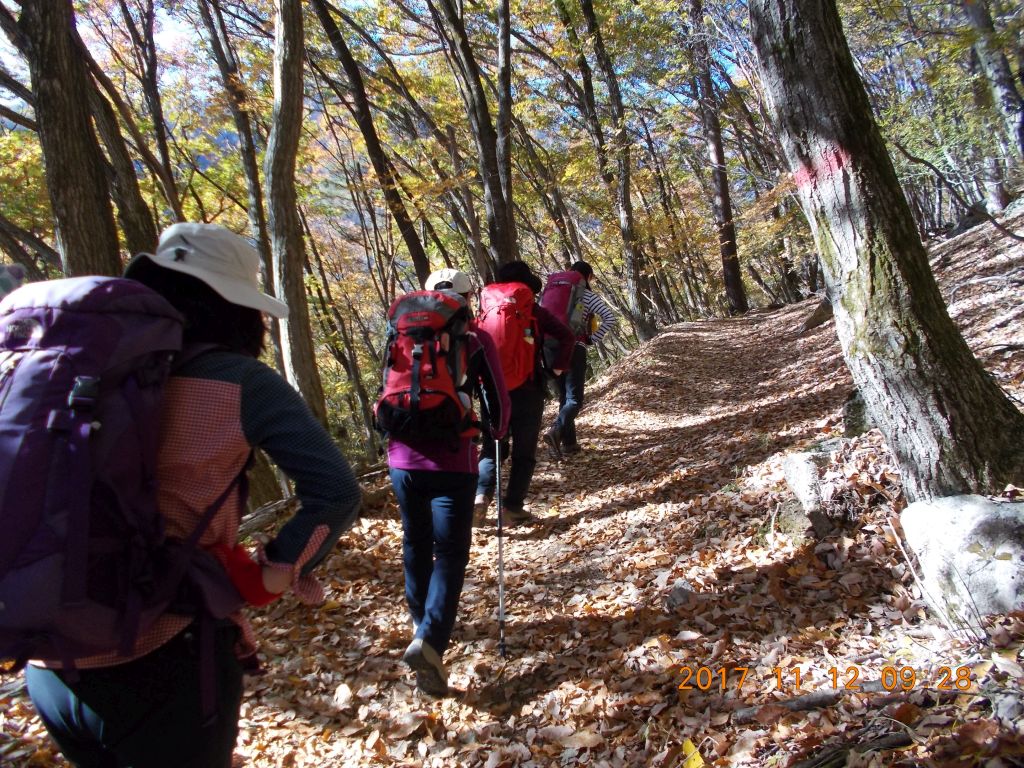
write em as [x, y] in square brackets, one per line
[595, 305]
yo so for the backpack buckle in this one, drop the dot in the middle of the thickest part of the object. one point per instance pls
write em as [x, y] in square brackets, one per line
[84, 392]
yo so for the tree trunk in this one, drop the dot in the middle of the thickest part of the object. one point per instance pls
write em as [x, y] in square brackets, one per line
[381, 165]
[676, 228]
[75, 178]
[137, 222]
[721, 198]
[6, 80]
[346, 357]
[639, 304]
[949, 425]
[265, 482]
[481, 258]
[763, 284]
[17, 118]
[26, 249]
[459, 196]
[551, 194]
[289, 252]
[123, 110]
[32, 244]
[231, 77]
[585, 98]
[141, 34]
[997, 70]
[503, 125]
[471, 88]
[996, 195]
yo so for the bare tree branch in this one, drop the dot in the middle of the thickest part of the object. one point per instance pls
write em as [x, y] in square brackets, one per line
[956, 195]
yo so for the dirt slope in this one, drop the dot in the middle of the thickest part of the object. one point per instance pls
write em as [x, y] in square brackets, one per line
[657, 554]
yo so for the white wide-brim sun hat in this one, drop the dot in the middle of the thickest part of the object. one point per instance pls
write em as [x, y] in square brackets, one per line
[223, 260]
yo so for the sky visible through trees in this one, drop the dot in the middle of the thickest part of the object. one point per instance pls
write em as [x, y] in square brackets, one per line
[636, 136]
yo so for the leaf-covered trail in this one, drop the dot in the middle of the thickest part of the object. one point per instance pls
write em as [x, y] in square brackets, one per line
[656, 551]
[678, 480]
[657, 495]
[653, 553]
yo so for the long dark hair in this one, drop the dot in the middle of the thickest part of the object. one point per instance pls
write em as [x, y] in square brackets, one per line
[209, 317]
[519, 272]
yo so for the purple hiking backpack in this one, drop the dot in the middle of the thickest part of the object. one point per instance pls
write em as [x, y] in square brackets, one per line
[85, 565]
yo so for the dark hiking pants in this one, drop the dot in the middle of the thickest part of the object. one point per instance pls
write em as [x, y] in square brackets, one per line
[437, 524]
[146, 713]
[523, 432]
[570, 392]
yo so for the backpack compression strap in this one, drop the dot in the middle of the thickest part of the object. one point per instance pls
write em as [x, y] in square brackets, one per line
[417, 371]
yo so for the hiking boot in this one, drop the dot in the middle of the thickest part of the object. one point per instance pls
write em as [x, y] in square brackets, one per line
[517, 516]
[480, 506]
[431, 677]
[553, 437]
[569, 450]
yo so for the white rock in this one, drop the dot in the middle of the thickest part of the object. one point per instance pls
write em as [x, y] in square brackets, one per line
[971, 554]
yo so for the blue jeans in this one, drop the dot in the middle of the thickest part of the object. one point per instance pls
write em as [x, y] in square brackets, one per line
[437, 520]
[524, 431]
[570, 391]
[145, 713]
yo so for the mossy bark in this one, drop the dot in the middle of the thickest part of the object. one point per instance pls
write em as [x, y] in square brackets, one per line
[75, 177]
[950, 426]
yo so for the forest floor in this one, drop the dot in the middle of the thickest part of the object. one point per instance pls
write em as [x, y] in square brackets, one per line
[657, 611]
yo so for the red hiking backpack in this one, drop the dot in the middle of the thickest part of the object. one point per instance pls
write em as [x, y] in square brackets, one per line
[506, 313]
[425, 389]
[563, 297]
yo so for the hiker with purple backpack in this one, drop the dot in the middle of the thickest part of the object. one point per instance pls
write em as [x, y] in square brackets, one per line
[172, 697]
[568, 296]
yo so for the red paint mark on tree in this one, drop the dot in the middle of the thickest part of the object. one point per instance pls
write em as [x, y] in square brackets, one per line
[828, 163]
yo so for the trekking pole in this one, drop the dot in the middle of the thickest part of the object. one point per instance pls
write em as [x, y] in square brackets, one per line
[501, 553]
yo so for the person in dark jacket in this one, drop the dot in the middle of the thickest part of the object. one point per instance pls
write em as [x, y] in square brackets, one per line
[434, 484]
[143, 709]
[527, 410]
